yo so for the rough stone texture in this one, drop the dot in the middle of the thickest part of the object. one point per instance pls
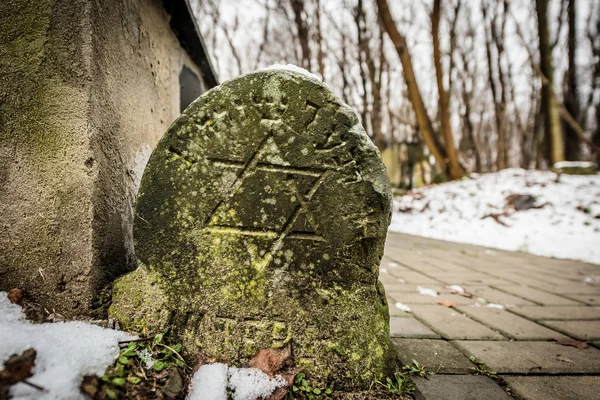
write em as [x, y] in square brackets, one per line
[263, 212]
[463, 387]
[138, 302]
[540, 313]
[410, 328]
[87, 88]
[510, 325]
[437, 356]
[590, 299]
[532, 357]
[451, 324]
[496, 296]
[582, 330]
[538, 296]
[555, 387]
[540, 279]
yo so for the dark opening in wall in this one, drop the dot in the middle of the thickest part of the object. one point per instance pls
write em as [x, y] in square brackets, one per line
[189, 87]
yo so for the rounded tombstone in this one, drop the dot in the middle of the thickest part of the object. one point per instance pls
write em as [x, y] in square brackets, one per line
[262, 216]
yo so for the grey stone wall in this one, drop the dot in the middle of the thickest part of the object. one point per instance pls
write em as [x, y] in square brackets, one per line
[87, 89]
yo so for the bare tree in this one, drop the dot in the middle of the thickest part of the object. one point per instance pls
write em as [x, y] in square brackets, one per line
[423, 121]
[455, 170]
[553, 137]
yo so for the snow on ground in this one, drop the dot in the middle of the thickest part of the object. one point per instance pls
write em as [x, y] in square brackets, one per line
[568, 226]
[66, 351]
[211, 382]
[294, 68]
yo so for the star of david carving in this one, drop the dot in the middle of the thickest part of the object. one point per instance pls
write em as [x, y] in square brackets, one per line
[246, 169]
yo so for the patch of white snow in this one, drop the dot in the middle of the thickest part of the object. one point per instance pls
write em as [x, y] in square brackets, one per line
[295, 68]
[209, 383]
[252, 383]
[402, 307]
[213, 381]
[65, 352]
[426, 291]
[565, 227]
[456, 288]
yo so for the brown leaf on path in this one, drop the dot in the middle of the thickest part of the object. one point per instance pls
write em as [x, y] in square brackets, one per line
[15, 295]
[446, 303]
[270, 361]
[567, 341]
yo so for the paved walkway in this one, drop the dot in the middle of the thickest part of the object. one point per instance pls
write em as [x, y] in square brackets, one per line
[514, 308]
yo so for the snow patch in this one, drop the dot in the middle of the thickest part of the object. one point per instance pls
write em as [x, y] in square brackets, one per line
[212, 382]
[402, 307]
[392, 265]
[66, 351]
[456, 288]
[576, 164]
[493, 305]
[426, 291]
[565, 227]
[295, 68]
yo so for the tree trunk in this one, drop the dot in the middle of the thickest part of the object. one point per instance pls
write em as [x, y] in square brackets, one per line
[552, 124]
[454, 168]
[302, 30]
[416, 100]
[497, 89]
[571, 94]
[320, 53]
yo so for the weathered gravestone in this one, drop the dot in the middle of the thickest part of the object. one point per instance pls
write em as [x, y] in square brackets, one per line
[260, 221]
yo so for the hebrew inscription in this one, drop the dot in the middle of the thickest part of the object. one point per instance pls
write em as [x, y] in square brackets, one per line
[264, 210]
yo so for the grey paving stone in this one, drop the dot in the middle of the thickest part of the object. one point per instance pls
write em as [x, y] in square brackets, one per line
[410, 328]
[386, 278]
[451, 324]
[554, 387]
[532, 357]
[395, 311]
[438, 356]
[590, 299]
[412, 287]
[463, 387]
[538, 296]
[471, 278]
[572, 288]
[413, 277]
[418, 298]
[492, 295]
[510, 325]
[538, 313]
[582, 330]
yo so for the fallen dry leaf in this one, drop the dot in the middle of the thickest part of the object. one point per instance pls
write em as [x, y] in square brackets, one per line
[90, 385]
[270, 361]
[446, 303]
[18, 367]
[567, 341]
[15, 295]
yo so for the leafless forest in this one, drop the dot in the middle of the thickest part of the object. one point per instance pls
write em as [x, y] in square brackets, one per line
[451, 86]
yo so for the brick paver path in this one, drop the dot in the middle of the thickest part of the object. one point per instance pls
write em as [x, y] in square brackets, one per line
[513, 308]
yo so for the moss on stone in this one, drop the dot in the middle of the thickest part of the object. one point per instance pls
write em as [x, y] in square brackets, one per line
[266, 226]
[138, 302]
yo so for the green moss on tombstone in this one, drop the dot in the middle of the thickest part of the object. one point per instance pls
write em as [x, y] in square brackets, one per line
[262, 216]
[138, 302]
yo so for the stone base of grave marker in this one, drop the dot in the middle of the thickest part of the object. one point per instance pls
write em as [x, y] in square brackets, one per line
[261, 221]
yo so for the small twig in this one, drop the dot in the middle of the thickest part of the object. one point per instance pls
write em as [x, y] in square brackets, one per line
[33, 385]
[496, 217]
[176, 353]
[136, 340]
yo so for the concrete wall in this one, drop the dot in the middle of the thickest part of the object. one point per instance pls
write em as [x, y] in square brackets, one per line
[87, 88]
